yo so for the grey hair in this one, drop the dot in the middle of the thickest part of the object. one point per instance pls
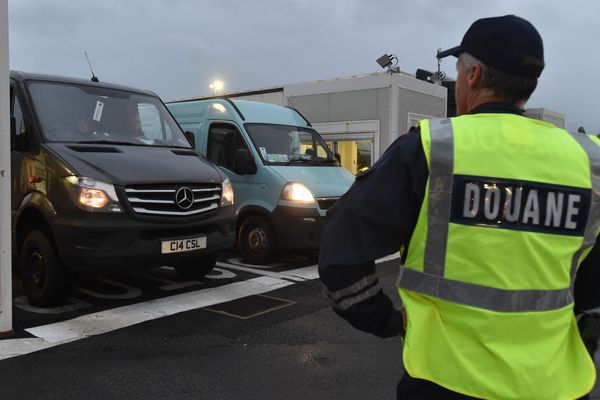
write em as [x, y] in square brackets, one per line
[513, 88]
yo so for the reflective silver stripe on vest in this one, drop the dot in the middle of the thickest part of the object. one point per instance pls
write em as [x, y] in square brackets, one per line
[440, 194]
[432, 282]
[485, 297]
[593, 221]
[355, 287]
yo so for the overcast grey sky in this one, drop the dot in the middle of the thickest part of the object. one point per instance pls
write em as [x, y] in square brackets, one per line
[177, 47]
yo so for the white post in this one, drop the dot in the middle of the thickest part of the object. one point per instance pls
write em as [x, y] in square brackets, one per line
[5, 231]
[394, 107]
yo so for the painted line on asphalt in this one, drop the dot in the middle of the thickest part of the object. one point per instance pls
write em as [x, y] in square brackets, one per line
[238, 261]
[276, 275]
[109, 320]
[305, 273]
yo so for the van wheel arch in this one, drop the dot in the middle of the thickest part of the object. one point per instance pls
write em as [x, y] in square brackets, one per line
[29, 220]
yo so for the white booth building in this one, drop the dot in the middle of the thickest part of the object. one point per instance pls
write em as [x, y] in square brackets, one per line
[359, 116]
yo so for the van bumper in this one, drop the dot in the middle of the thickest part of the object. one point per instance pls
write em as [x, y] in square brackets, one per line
[118, 242]
[297, 228]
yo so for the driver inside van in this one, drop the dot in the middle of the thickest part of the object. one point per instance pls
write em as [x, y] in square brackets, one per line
[135, 125]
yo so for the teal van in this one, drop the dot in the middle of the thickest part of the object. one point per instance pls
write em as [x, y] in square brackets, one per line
[283, 174]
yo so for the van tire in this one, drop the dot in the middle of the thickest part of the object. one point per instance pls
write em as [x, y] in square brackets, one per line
[46, 280]
[196, 268]
[256, 240]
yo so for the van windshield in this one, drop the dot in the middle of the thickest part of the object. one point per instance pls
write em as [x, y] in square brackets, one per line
[69, 112]
[290, 145]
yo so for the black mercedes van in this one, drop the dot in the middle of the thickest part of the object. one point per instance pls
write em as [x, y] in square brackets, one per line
[103, 178]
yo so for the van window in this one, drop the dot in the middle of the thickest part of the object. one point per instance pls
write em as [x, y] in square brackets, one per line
[290, 145]
[17, 112]
[223, 142]
[71, 112]
[152, 126]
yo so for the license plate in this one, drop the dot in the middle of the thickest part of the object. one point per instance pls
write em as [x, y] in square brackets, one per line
[179, 246]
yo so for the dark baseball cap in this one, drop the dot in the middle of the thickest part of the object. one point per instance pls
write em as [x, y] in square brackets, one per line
[503, 43]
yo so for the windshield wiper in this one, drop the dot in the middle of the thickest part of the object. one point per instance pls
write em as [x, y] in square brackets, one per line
[328, 161]
[300, 160]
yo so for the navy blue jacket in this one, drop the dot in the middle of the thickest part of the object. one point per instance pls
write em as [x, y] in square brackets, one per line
[377, 216]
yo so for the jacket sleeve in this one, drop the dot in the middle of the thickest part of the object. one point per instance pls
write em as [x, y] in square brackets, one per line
[373, 219]
[587, 295]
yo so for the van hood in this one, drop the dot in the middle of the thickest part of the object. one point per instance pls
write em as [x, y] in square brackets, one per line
[125, 165]
[322, 181]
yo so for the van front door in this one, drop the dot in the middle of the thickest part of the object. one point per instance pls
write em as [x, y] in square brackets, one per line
[19, 160]
[224, 139]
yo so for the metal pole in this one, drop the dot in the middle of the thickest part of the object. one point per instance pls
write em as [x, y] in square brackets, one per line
[5, 244]
[394, 107]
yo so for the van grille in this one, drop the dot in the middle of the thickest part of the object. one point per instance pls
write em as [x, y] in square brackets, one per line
[325, 203]
[173, 200]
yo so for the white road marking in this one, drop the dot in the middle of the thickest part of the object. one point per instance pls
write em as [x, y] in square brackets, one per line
[179, 285]
[216, 273]
[238, 261]
[307, 273]
[131, 292]
[222, 274]
[73, 304]
[106, 321]
[17, 347]
[110, 320]
[278, 275]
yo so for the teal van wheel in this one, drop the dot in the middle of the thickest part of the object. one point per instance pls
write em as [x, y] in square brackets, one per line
[256, 240]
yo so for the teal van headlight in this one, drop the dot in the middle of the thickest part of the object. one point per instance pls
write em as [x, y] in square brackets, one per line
[297, 192]
[227, 194]
[93, 195]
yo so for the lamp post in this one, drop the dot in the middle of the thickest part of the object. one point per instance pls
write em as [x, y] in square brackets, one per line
[217, 87]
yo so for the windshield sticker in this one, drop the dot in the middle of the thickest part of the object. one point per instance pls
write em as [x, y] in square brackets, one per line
[277, 157]
[263, 151]
[98, 111]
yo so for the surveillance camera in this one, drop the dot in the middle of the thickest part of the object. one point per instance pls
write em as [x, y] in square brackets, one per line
[385, 61]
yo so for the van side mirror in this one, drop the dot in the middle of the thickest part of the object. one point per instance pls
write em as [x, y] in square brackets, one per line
[243, 162]
[17, 142]
[191, 138]
[338, 157]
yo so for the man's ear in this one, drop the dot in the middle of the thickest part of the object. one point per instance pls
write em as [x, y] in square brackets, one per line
[474, 76]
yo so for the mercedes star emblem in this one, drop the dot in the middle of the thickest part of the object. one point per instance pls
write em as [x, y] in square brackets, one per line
[184, 198]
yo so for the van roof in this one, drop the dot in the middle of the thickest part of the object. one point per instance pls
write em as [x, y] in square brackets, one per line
[25, 76]
[244, 111]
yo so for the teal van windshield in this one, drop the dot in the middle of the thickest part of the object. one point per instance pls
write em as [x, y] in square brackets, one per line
[290, 145]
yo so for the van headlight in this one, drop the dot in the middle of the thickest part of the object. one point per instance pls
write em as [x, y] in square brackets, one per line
[92, 195]
[297, 192]
[227, 194]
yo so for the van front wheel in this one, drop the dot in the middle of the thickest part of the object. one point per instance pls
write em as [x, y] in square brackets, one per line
[45, 279]
[256, 240]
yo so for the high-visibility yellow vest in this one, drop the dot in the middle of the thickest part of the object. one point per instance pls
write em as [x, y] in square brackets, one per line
[512, 207]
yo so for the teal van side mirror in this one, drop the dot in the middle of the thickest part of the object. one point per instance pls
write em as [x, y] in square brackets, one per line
[190, 137]
[243, 162]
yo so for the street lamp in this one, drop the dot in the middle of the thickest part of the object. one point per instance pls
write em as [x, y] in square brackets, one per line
[217, 87]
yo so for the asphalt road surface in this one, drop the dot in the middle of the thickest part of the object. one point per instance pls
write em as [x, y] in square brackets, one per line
[244, 332]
